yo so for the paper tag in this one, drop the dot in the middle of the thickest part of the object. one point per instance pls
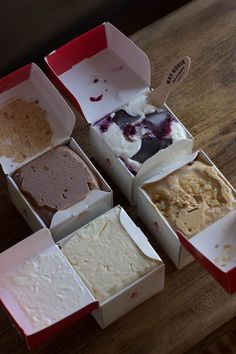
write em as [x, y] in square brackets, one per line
[176, 74]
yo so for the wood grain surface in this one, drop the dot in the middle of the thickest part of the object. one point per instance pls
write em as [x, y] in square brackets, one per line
[193, 308]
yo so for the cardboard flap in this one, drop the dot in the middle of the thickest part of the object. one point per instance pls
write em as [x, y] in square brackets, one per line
[31, 83]
[39, 337]
[215, 249]
[138, 236]
[130, 53]
[101, 81]
[29, 247]
[13, 79]
[75, 210]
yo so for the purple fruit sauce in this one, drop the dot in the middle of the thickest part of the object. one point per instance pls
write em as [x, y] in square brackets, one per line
[96, 99]
[105, 124]
[129, 131]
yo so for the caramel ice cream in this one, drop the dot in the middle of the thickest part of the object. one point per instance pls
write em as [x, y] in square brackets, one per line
[192, 197]
[56, 180]
[24, 129]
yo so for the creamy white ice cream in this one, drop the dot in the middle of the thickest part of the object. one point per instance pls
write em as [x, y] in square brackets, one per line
[105, 256]
[116, 141]
[140, 106]
[46, 289]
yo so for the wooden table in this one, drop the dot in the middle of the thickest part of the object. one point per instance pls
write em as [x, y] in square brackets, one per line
[192, 310]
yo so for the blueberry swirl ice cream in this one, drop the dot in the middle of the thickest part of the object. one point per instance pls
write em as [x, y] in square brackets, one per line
[138, 131]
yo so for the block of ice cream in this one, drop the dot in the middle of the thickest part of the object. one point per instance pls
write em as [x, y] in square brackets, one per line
[46, 288]
[192, 197]
[24, 129]
[54, 181]
[139, 130]
[105, 256]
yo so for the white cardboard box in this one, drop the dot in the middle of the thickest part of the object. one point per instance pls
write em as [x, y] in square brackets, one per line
[31, 83]
[173, 242]
[134, 294]
[37, 244]
[105, 312]
[100, 71]
[215, 249]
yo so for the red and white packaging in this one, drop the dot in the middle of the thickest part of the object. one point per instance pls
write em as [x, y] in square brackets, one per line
[214, 247]
[105, 312]
[37, 244]
[137, 292]
[31, 83]
[100, 71]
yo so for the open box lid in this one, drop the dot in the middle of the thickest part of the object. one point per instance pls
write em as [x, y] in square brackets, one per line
[215, 249]
[137, 236]
[100, 71]
[30, 83]
[38, 244]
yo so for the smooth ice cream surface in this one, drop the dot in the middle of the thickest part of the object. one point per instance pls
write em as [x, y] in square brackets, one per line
[105, 256]
[54, 181]
[192, 197]
[138, 131]
[46, 289]
[24, 129]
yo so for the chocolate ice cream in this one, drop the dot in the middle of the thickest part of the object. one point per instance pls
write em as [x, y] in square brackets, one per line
[192, 197]
[56, 180]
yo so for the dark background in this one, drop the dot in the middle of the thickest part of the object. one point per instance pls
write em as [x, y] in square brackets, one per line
[30, 29]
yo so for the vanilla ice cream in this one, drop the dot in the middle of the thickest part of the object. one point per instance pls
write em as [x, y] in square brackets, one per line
[105, 256]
